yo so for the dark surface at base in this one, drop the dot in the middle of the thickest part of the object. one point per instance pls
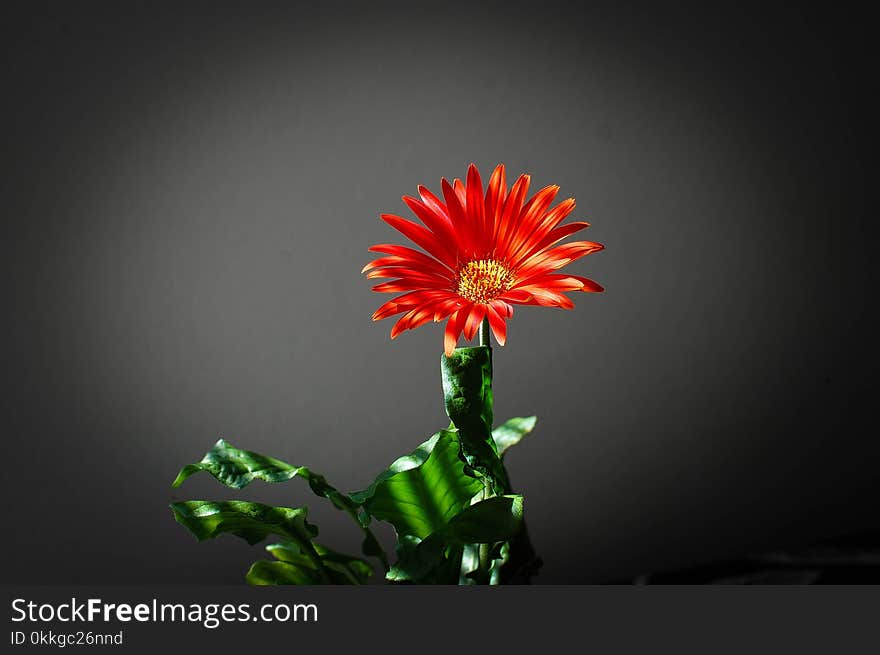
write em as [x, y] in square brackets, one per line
[848, 560]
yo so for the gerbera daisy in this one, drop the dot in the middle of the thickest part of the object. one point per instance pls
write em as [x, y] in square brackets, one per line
[483, 253]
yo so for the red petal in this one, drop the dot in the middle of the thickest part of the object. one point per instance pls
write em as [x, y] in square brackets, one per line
[510, 215]
[426, 266]
[422, 237]
[550, 220]
[410, 284]
[457, 215]
[554, 282]
[393, 260]
[408, 253]
[460, 191]
[504, 309]
[412, 275]
[559, 233]
[474, 318]
[387, 309]
[496, 322]
[517, 296]
[547, 297]
[550, 260]
[401, 325]
[445, 307]
[412, 319]
[453, 330]
[406, 272]
[495, 193]
[476, 204]
[433, 202]
[532, 214]
[589, 285]
[438, 223]
[412, 299]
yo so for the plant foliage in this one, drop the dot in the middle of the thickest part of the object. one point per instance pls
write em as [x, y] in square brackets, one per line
[450, 502]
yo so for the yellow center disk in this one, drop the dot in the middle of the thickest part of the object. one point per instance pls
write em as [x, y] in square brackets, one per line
[483, 280]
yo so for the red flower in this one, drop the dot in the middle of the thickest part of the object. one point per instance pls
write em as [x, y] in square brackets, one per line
[485, 253]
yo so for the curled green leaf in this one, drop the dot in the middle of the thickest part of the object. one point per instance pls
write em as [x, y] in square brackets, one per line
[489, 521]
[421, 500]
[511, 432]
[252, 522]
[340, 568]
[237, 468]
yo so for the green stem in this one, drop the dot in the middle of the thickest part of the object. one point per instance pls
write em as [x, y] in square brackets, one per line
[313, 555]
[484, 549]
[484, 333]
[383, 557]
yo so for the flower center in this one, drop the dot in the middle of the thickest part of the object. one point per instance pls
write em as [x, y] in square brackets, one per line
[483, 280]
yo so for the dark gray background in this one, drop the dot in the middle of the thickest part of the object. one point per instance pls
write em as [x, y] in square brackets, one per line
[189, 194]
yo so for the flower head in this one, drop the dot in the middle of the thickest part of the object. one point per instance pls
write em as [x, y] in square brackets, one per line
[481, 254]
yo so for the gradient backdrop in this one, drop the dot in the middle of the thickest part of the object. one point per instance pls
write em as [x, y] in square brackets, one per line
[188, 197]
